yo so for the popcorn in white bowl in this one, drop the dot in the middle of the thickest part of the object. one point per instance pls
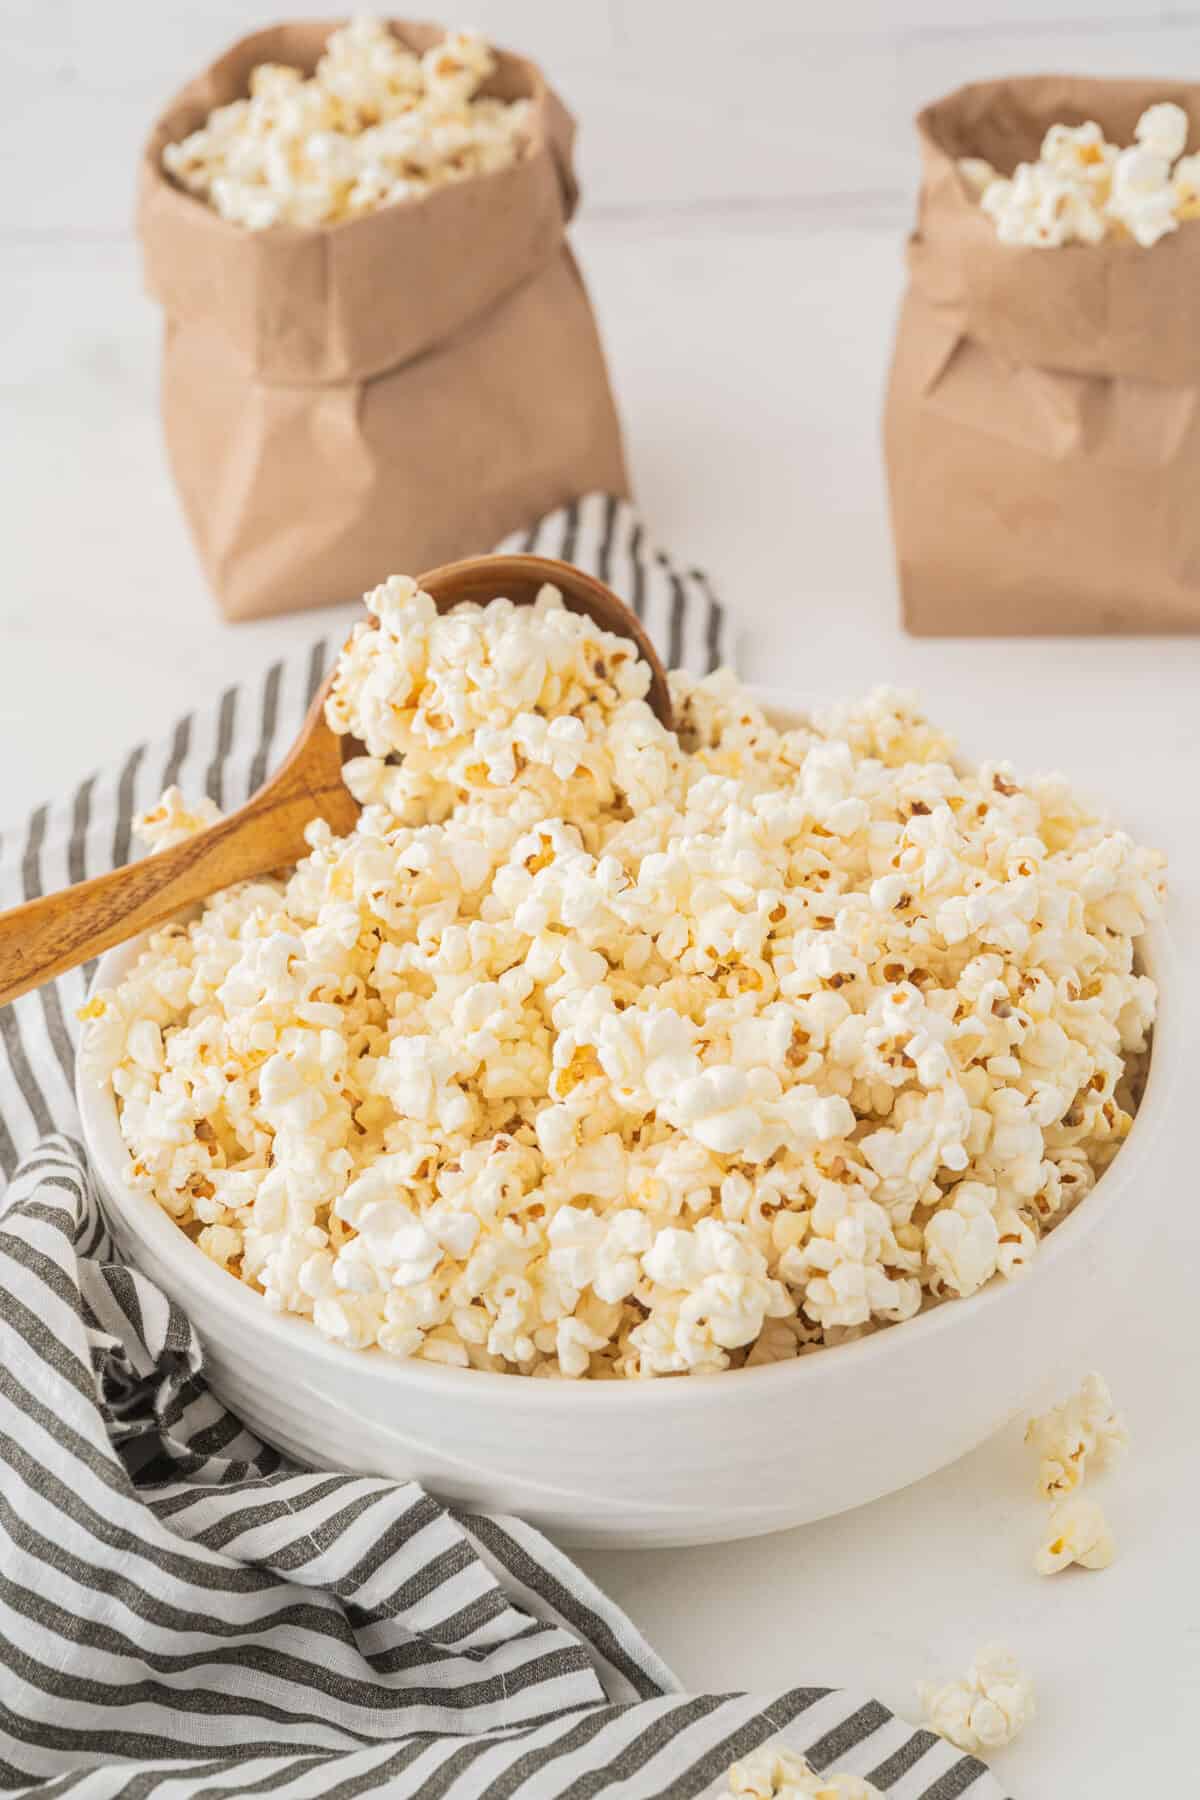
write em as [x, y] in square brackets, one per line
[594, 1051]
[374, 125]
[1083, 189]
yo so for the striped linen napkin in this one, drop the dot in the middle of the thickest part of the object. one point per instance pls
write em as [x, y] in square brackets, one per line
[183, 1612]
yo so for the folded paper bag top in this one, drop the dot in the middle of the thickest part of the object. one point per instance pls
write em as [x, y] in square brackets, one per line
[1111, 308]
[344, 302]
[383, 394]
[1042, 424]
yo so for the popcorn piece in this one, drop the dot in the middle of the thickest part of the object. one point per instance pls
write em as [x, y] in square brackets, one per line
[986, 1709]
[374, 126]
[1140, 172]
[977, 173]
[1078, 1533]
[597, 1052]
[1163, 129]
[172, 821]
[962, 1241]
[1084, 1434]
[456, 67]
[1142, 199]
[774, 1772]
[1073, 149]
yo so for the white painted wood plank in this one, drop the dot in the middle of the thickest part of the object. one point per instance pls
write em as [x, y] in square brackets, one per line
[165, 40]
[767, 24]
[932, 65]
[707, 129]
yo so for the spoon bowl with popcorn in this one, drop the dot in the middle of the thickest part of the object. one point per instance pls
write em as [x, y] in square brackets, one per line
[43, 938]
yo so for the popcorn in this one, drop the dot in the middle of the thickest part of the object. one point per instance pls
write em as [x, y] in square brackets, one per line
[598, 1052]
[1185, 187]
[1078, 1533]
[172, 821]
[776, 1773]
[374, 126]
[1076, 150]
[1084, 1434]
[1084, 189]
[986, 1709]
[962, 1241]
[1142, 198]
[977, 173]
[1163, 129]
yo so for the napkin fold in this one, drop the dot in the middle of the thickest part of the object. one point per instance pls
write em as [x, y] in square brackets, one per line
[183, 1611]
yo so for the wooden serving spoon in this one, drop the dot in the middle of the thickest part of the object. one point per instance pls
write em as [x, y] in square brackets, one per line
[44, 937]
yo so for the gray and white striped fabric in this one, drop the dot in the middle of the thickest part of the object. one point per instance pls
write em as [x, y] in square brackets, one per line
[182, 1612]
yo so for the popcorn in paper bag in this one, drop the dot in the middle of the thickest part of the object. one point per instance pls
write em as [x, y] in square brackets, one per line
[1042, 427]
[392, 386]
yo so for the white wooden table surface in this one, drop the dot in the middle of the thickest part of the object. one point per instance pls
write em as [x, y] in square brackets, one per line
[748, 179]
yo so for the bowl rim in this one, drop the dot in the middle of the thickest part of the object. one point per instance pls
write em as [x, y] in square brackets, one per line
[248, 1311]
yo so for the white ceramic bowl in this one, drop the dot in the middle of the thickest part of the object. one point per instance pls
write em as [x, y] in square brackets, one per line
[683, 1461]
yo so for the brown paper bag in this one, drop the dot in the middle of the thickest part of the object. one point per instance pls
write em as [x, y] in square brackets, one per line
[381, 395]
[1042, 427]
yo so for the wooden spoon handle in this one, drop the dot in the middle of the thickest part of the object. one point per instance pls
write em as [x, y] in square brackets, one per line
[57, 932]
[44, 937]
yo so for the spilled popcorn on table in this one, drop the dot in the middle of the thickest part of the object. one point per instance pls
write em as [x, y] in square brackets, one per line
[1071, 1441]
[597, 1051]
[1078, 1532]
[990, 1706]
